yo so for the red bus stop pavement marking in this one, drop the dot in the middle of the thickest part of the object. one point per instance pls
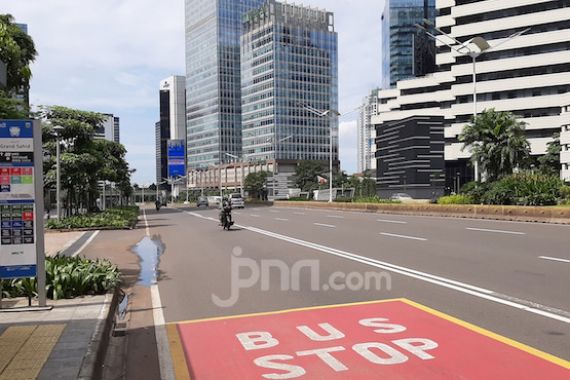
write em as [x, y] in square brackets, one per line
[392, 339]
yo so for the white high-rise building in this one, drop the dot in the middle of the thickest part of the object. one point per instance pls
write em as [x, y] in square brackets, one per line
[528, 75]
[366, 133]
[110, 129]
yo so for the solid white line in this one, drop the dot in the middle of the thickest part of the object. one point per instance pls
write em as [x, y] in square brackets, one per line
[282, 220]
[554, 259]
[403, 236]
[335, 216]
[324, 225]
[254, 216]
[497, 231]
[391, 221]
[423, 276]
[86, 243]
[450, 284]
[163, 348]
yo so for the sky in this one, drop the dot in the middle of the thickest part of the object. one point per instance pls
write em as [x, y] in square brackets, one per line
[110, 55]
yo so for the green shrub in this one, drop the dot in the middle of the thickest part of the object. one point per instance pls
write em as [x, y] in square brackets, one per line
[475, 190]
[565, 193]
[524, 189]
[120, 217]
[343, 199]
[459, 199]
[374, 199]
[67, 277]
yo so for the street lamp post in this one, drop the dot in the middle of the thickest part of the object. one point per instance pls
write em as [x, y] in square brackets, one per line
[273, 173]
[473, 48]
[330, 113]
[57, 131]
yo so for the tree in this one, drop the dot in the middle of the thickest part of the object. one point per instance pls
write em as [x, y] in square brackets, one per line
[17, 51]
[306, 174]
[84, 161]
[498, 143]
[550, 162]
[255, 183]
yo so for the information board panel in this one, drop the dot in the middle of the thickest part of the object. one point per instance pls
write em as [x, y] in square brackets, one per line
[176, 158]
[18, 208]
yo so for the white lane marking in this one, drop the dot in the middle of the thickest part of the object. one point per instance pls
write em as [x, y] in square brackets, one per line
[164, 356]
[86, 243]
[274, 211]
[391, 221]
[403, 236]
[299, 213]
[254, 216]
[282, 220]
[335, 216]
[496, 231]
[423, 276]
[441, 281]
[324, 225]
[554, 259]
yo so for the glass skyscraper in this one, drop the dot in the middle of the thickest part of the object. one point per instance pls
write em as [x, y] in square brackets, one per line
[289, 60]
[213, 100]
[399, 34]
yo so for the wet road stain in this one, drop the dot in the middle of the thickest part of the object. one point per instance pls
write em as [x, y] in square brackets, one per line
[149, 251]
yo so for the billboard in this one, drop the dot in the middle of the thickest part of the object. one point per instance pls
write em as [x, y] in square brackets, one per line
[176, 158]
[18, 205]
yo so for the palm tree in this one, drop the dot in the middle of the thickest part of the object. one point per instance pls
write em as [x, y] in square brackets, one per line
[497, 142]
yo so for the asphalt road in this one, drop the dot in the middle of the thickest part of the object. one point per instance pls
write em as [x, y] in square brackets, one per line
[510, 278]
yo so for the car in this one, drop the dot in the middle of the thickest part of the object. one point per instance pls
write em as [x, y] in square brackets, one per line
[202, 201]
[214, 200]
[403, 197]
[237, 200]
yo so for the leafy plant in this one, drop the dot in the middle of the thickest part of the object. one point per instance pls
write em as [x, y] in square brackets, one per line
[459, 199]
[525, 189]
[497, 142]
[67, 277]
[120, 217]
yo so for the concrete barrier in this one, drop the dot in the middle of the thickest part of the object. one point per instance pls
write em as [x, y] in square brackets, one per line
[550, 214]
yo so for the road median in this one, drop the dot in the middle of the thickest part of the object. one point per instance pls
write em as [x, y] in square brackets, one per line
[551, 214]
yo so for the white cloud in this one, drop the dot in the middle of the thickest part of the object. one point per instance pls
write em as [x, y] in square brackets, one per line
[110, 55]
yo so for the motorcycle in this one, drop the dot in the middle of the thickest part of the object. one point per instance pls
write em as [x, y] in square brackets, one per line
[226, 220]
[157, 206]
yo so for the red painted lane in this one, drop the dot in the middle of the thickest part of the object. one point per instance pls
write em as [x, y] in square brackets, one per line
[393, 339]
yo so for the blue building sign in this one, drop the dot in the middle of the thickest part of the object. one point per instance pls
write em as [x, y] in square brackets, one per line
[176, 158]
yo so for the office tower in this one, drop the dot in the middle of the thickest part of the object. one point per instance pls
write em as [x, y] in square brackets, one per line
[213, 94]
[528, 75]
[172, 124]
[109, 130]
[405, 51]
[289, 61]
[366, 134]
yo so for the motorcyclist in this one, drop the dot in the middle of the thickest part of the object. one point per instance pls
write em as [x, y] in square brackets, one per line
[226, 211]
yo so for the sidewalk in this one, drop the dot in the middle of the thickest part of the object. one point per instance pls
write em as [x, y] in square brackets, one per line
[61, 343]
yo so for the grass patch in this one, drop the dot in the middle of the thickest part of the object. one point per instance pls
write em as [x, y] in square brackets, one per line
[119, 218]
[460, 199]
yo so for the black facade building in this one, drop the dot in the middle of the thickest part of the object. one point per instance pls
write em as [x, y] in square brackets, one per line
[410, 157]
[162, 133]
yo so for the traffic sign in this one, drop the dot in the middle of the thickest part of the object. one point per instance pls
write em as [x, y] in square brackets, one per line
[21, 202]
[382, 339]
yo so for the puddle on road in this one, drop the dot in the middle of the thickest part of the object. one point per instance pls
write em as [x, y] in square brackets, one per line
[149, 251]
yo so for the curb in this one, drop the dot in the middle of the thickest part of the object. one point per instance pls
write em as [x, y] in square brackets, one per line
[92, 364]
[531, 214]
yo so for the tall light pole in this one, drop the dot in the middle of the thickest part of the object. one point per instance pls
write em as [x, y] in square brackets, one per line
[473, 48]
[57, 131]
[273, 173]
[325, 113]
